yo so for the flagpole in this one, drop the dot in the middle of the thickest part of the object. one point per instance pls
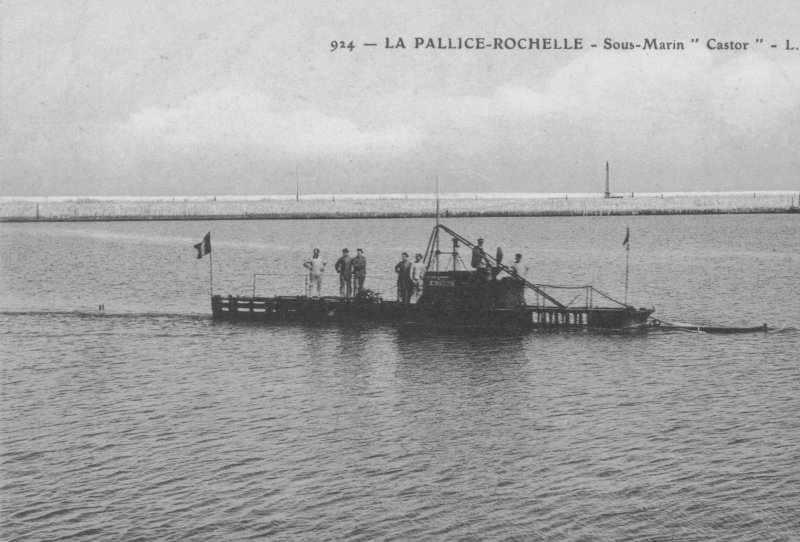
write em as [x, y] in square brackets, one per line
[203, 248]
[627, 258]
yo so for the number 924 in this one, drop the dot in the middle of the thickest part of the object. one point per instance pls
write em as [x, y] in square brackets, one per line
[336, 45]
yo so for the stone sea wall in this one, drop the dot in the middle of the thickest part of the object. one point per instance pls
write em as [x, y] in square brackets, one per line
[351, 206]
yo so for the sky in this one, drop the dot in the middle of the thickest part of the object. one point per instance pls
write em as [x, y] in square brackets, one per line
[173, 97]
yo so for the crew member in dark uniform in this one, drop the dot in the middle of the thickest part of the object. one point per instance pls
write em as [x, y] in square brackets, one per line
[359, 270]
[479, 262]
[344, 266]
[404, 283]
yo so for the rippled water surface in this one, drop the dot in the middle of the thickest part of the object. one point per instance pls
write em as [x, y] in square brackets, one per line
[149, 421]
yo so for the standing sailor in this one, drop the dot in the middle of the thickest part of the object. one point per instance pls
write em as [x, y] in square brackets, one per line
[344, 266]
[403, 270]
[518, 270]
[417, 276]
[479, 262]
[359, 270]
[316, 267]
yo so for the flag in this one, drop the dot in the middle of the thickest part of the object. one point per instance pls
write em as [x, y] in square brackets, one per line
[204, 246]
[625, 242]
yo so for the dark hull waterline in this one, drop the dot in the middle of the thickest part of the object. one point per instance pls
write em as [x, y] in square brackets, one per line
[301, 309]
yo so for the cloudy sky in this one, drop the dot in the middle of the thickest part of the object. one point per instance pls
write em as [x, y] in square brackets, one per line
[173, 97]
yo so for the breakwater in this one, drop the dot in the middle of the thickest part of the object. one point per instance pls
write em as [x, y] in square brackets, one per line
[390, 206]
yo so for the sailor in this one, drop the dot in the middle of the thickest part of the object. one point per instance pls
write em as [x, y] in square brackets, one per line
[316, 267]
[403, 270]
[344, 266]
[359, 270]
[479, 262]
[518, 270]
[417, 276]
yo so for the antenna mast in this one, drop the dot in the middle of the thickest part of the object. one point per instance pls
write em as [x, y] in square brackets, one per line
[436, 248]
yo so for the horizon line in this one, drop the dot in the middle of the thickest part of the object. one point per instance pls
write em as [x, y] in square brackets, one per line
[387, 196]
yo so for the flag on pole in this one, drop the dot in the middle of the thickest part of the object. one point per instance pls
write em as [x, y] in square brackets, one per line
[204, 246]
[625, 242]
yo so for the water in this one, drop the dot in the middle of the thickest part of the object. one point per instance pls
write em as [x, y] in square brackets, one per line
[148, 421]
